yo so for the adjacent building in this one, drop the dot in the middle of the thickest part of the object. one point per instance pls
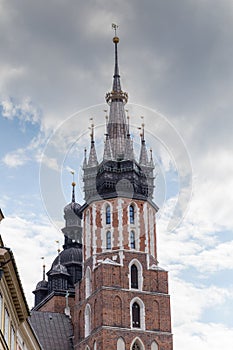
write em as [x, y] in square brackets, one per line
[15, 330]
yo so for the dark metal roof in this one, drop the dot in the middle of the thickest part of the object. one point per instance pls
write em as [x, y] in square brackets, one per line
[72, 255]
[54, 330]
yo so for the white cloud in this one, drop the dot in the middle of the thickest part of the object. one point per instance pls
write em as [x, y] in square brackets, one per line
[25, 111]
[29, 241]
[201, 336]
[15, 159]
[189, 302]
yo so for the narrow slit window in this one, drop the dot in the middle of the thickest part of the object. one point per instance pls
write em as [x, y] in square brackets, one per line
[131, 214]
[108, 215]
[136, 315]
[134, 277]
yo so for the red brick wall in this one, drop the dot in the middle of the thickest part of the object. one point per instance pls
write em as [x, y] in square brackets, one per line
[58, 304]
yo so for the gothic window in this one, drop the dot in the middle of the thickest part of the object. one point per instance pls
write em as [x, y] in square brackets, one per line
[120, 344]
[87, 320]
[132, 240]
[136, 346]
[131, 214]
[95, 346]
[136, 315]
[88, 282]
[154, 346]
[108, 240]
[108, 215]
[134, 277]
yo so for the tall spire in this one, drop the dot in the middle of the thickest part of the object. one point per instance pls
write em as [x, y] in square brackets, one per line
[117, 127]
[116, 78]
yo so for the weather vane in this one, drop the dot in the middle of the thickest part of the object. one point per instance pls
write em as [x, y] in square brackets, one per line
[72, 173]
[115, 26]
[92, 129]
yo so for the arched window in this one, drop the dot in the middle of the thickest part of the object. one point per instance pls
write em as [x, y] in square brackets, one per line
[132, 240]
[154, 346]
[136, 346]
[136, 315]
[134, 276]
[120, 344]
[131, 214]
[108, 215]
[95, 346]
[108, 240]
[88, 282]
[87, 320]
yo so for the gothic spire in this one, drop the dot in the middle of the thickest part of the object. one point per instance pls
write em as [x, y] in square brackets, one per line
[117, 127]
[143, 159]
[152, 165]
[107, 146]
[85, 158]
[129, 153]
[92, 161]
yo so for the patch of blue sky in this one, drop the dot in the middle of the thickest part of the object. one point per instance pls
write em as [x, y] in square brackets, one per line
[222, 278]
[14, 136]
[22, 185]
[224, 236]
[219, 313]
[172, 184]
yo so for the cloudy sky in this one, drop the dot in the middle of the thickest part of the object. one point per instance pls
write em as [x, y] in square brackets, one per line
[56, 65]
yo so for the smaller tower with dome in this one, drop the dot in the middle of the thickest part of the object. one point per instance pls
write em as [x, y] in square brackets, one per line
[66, 269]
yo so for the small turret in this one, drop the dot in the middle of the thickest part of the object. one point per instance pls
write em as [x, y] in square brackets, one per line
[41, 290]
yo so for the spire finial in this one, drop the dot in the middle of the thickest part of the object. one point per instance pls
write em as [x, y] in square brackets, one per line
[92, 129]
[116, 94]
[142, 129]
[114, 27]
[73, 185]
[42, 258]
[58, 247]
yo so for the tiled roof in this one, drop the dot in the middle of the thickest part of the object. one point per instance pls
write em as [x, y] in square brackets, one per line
[53, 330]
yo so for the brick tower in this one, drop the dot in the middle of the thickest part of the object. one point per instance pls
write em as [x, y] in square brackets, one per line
[122, 301]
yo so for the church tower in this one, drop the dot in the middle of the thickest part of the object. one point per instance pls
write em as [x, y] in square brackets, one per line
[122, 301]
